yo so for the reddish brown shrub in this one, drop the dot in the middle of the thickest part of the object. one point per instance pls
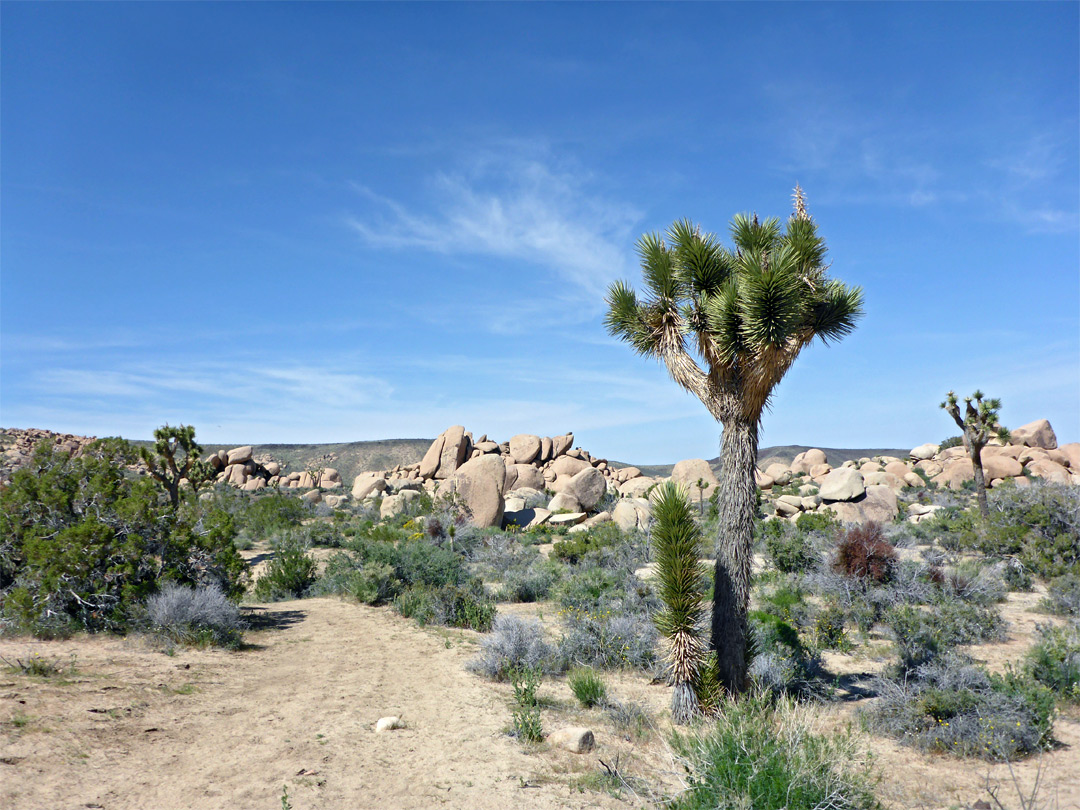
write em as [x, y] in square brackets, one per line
[864, 553]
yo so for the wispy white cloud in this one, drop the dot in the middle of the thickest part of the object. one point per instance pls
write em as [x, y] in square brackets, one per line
[520, 209]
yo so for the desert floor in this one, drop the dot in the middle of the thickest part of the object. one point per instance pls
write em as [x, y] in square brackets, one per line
[133, 727]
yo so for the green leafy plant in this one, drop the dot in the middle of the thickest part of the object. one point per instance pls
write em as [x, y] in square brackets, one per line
[290, 573]
[746, 312]
[588, 687]
[1054, 660]
[526, 715]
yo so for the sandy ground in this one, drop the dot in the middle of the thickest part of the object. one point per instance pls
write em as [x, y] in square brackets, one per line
[135, 728]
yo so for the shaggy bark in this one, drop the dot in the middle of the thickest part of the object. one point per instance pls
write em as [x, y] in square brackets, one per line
[731, 593]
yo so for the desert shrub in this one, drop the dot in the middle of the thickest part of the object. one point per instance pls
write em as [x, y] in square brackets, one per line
[466, 606]
[513, 644]
[821, 522]
[790, 549]
[202, 615]
[764, 755]
[921, 636]
[974, 582]
[607, 640]
[785, 599]
[630, 719]
[525, 575]
[1017, 576]
[1038, 525]
[1063, 595]
[268, 514]
[290, 574]
[780, 662]
[952, 441]
[1054, 660]
[327, 535]
[863, 553]
[531, 584]
[572, 548]
[83, 543]
[955, 707]
[526, 715]
[373, 583]
[588, 687]
[829, 630]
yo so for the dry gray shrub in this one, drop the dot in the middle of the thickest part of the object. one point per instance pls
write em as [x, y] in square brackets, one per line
[195, 615]
[513, 645]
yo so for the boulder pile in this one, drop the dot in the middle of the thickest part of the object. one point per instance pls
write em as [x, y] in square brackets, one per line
[505, 482]
[17, 446]
[867, 489]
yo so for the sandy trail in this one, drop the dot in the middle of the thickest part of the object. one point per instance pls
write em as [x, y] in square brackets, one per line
[213, 729]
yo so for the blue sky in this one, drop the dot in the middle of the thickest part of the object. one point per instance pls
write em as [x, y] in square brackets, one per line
[334, 222]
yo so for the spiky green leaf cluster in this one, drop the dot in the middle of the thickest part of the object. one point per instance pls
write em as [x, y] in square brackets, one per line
[746, 311]
[680, 579]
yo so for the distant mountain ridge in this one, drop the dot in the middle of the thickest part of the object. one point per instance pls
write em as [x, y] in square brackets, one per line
[352, 458]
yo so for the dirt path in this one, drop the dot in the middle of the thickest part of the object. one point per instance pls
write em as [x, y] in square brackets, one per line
[135, 728]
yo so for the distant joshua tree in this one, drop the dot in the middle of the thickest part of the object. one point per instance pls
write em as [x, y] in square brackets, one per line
[980, 424]
[175, 458]
[746, 312]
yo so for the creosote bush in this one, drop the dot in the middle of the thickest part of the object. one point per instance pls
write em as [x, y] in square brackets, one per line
[290, 574]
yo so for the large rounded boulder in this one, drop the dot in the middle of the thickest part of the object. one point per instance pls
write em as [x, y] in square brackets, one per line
[480, 484]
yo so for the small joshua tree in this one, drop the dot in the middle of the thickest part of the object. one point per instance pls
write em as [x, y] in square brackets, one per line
[175, 458]
[979, 423]
[677, 540]
[701, 487]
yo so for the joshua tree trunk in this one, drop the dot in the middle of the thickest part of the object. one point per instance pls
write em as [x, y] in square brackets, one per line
[975, 451]
[731, 592]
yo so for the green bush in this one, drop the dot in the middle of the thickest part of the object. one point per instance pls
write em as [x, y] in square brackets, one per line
[1063, 596]
[588, 687]
[789, 549]
[84, 542]
[921, 636]
[272, 513]
[821, 522]
[829, 631]
[290, 574]
[1039, 525]
[1054, 661]
[449, 605]
[526, 715]
[572, 548]
[764, 755]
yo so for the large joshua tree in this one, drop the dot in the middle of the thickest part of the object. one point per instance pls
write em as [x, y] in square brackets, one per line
[728, 323]
[979, 423]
